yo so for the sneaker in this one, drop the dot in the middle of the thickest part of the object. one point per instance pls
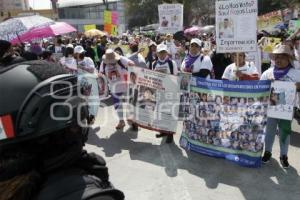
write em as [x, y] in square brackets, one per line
[169, 139]
[91, 119]
[284, 161]
[267, 156]
[134, 127]
[160, 135]
[120, 125]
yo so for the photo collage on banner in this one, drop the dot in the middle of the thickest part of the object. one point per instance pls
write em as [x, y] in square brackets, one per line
[154, 99]
[226, 119]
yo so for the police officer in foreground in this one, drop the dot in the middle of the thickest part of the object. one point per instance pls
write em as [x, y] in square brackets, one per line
[43, 129]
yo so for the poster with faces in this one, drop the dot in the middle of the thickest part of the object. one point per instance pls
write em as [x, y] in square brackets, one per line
[282, 100]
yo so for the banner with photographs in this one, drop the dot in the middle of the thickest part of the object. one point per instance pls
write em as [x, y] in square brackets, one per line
[170, 18]
[226, 119]
[282, 100]
[268, 21]
[236, 26]
[153, 99]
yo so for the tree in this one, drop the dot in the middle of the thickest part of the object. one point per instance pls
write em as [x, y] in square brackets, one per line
[265, 6]
[144, 12]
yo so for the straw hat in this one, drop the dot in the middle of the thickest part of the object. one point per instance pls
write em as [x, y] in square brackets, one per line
[282, 49]
[110, 57]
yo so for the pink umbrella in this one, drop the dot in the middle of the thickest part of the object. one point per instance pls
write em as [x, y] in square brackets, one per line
[59, 28]
[192, 31]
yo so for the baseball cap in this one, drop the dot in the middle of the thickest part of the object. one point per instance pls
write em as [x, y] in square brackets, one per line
[79, 49]
[162, 47]
[196, 41]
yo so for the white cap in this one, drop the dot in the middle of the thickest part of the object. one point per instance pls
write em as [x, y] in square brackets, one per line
[162, 47]
[196, 41]
[70, 46]
[79, 49]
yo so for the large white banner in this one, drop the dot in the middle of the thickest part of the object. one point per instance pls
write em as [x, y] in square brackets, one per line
[236, 26]
[282, 100]
[154, 99]
[170, 18]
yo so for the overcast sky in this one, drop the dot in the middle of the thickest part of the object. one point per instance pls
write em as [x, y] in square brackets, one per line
[40, 4]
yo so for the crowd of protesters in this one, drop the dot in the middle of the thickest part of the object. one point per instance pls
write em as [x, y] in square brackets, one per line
[165, 54]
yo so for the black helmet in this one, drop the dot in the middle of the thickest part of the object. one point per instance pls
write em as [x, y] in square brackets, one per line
[38, 98]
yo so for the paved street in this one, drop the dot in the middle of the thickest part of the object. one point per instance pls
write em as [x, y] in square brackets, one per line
[146, 168]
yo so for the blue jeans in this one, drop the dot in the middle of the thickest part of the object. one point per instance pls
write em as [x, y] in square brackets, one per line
[118, 100]
[272, 125]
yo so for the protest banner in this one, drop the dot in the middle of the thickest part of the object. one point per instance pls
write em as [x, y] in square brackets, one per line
[88, 27]
[255, 58]
[170, 18]
[294, 25]
[236, 26]
[114, 17]
[267, 22]
[107, 17]
[125, 48]
[268, 43]
[226, 119]
[282, 100]
[154, 97]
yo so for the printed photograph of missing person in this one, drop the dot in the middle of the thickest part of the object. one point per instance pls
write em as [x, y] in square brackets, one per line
[147, 98]
[277, 98]
[184, 82]
[133, 89]
[184, 107]
[226, 28]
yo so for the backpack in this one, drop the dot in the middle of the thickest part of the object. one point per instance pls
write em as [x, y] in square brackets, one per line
[119, 63]
[170, 63]
[86, 180]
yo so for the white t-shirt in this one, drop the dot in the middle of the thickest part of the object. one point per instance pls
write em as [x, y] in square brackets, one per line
[230, 71]
[138, 60]
[293, 75]
[163, 67]
[86, 66]
[116, 75]
[226, 33]
[69, 63]
[198, 65]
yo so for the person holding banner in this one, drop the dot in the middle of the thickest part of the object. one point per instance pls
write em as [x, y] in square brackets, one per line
[68, 61]
[88, 80]
[240, 69]
[196, 63]
[136, 55]
[283, 71]
[168, 66]
[114, 67]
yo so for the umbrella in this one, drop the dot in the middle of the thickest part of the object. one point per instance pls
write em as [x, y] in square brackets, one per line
[12, 28]
[59, 28]
[208, 29]
[94, 32]
[192, 31]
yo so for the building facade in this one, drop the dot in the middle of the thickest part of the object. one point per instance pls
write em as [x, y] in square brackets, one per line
[83, 12]
[8, 5]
